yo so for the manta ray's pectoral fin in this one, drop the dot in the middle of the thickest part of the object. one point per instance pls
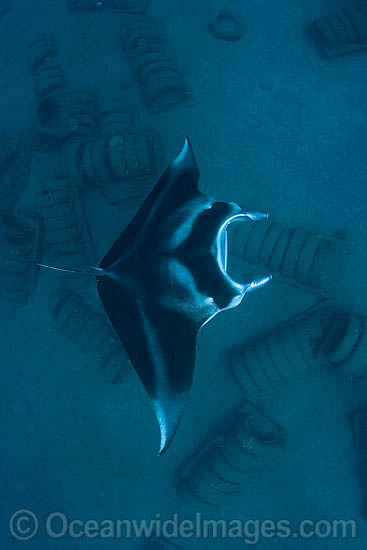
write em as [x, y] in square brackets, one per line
[177, 185]
[161, 345]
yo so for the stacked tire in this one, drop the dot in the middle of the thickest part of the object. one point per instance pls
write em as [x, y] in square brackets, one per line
[66, 239]
[19, 253]
[294, 254]
[91, 333]
[289, 352]
[153, 64]
[345, 345]
[252, 442]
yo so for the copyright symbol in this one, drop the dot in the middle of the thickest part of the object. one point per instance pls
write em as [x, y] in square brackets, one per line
[23, 525]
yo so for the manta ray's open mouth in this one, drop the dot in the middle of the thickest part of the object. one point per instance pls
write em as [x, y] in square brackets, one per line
[222, 250]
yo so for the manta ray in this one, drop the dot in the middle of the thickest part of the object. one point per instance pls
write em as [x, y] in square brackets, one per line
[164, 278]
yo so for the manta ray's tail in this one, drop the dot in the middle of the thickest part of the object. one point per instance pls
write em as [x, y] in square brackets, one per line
[87, 271]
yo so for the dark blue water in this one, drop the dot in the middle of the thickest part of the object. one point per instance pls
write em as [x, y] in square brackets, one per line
[275, 127]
